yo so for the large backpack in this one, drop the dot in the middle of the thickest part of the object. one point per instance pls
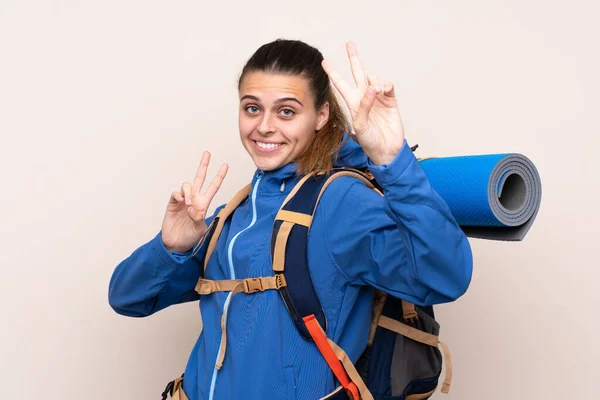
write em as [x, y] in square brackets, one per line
[402, 360]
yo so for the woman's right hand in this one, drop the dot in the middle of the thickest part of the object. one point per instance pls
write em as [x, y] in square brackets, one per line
[184, 222]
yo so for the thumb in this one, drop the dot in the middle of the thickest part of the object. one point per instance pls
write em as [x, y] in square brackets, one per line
[361, 119]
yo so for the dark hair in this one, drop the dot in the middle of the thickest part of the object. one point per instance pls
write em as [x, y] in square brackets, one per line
[294, 57]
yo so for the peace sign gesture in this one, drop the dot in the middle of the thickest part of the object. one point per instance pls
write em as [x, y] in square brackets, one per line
[184, 221]
[373, 107]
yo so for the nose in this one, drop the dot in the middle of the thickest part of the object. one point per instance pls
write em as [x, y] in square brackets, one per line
[265, 126]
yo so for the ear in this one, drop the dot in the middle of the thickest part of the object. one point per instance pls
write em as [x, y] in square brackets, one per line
[322, 116]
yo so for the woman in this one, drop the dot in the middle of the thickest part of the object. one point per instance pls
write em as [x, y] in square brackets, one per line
[405, 243]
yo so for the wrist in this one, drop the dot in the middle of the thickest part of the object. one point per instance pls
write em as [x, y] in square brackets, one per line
[385, 156]
[383, 159]
[177, 249]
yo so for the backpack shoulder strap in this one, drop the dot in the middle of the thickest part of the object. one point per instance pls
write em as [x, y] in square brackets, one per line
[289, 244]
[216, 226]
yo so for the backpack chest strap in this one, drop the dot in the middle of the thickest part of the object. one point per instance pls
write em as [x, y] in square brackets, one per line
[248, 285]
[235, 286]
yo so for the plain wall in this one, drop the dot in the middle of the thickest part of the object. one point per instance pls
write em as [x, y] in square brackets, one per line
[106, 107]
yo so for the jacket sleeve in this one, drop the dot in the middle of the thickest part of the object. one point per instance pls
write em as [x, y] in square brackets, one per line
[152, 278]
[405, 243]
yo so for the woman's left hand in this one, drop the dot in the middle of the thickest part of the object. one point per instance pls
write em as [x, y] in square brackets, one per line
[374, 110]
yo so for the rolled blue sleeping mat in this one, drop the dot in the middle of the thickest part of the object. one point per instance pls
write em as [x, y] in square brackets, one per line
[492, 196]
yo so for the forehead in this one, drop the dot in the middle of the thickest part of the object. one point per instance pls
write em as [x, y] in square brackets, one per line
[267, 85]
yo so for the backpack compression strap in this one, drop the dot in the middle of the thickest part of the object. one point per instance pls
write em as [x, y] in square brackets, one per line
[338, 361]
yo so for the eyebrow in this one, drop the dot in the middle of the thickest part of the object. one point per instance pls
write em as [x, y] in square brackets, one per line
[278, 101]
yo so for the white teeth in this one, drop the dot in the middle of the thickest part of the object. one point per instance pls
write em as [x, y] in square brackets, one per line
[268, 145]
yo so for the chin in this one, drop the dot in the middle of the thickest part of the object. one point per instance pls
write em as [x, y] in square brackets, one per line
[267, 166]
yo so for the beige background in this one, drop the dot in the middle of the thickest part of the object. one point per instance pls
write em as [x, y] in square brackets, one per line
[106, 106]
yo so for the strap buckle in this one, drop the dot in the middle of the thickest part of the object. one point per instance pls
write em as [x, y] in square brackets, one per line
[253, 285]
[409, 313]
[206, 286]
[411, 319]
[280, 281]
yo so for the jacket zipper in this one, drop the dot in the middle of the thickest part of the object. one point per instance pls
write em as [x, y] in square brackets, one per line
[232, 274]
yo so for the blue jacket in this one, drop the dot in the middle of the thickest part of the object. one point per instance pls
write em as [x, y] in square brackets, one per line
[405, 243]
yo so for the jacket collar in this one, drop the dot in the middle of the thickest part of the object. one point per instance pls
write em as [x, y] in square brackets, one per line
[276, 181]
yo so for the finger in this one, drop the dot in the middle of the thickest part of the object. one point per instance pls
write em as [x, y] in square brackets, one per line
[337, 80]
[362, 116]
[201, 173]
[186, 189]
[388, 90]
[176, 197]
[355, 64]
[214, 186]
[196, 215]
[373, 80]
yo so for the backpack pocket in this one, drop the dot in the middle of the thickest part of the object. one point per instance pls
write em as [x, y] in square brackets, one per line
[416, 366]
[404, 361]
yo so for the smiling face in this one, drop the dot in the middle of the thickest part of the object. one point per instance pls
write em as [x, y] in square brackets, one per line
[277, 118]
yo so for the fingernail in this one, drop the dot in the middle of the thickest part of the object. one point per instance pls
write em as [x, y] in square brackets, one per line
[188, 201]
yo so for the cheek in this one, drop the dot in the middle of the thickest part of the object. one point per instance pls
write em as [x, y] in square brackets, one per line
[301, 131]
[246, 126]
